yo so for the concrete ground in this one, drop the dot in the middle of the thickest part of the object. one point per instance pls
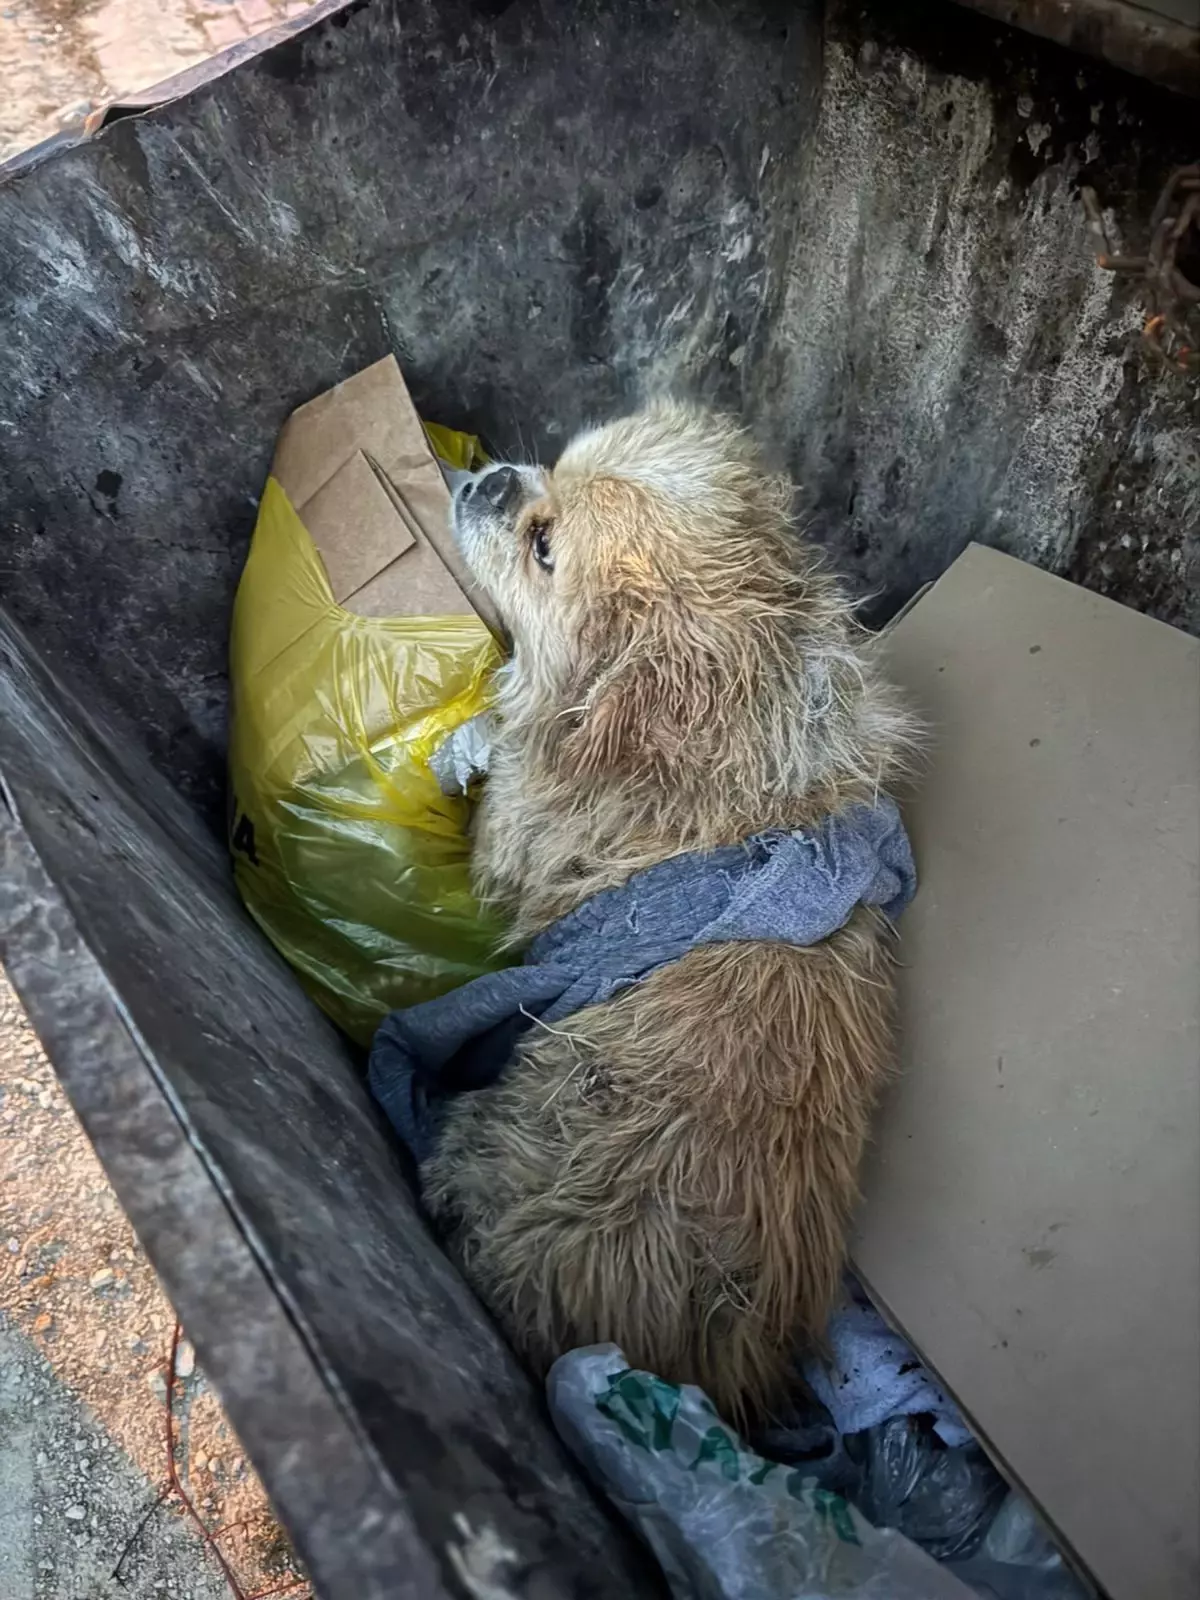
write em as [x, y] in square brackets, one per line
[86, 1509]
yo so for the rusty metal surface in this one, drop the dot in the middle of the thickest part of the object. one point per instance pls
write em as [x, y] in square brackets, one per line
[1160, 42]
[1168, 274]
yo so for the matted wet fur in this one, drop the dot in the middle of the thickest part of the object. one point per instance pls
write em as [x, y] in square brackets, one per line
[672, 1170]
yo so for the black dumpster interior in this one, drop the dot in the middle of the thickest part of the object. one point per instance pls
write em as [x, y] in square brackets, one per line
[862, 233]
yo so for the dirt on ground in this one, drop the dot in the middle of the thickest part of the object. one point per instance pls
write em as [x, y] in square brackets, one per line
[87, 1507]
[50, 75]
[61, 59]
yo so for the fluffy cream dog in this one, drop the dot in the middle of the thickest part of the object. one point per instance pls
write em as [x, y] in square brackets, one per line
[672, 1170]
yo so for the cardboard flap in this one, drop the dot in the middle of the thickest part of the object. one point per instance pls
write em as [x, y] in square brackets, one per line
[354, 502]
[370, 412]
[358, 467]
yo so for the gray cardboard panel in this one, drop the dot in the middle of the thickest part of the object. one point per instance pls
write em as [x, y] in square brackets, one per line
[1032, 1216]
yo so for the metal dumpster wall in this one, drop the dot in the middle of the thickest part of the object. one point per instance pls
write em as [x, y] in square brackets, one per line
[393, 1429]
[865, 234]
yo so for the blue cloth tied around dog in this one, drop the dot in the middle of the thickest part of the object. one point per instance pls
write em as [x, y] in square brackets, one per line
[787, 888]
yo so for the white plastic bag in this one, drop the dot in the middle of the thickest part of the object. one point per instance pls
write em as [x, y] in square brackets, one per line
[462, 758]
[724, 1523]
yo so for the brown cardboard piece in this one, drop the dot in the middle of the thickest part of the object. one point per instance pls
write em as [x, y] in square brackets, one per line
[1032, 1213]
[357, 466]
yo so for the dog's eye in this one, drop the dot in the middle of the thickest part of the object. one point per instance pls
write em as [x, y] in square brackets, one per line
[539, 543]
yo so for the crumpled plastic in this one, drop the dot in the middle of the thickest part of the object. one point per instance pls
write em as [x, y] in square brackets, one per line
[347, 852]
[1018, 1560]
[944, 1499]
[461, 760]
[724, 1523]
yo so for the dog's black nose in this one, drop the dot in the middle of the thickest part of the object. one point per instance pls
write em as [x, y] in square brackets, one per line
[500, 488]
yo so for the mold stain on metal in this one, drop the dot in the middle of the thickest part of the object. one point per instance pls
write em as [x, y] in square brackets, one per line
[481, 1560]
[918, 330]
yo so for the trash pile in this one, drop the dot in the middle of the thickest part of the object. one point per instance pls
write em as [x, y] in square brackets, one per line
[724, 1523]
[358, 671]
[875, 1490]
[360, 674]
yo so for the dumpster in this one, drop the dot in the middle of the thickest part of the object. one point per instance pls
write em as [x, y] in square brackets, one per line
[861, 230]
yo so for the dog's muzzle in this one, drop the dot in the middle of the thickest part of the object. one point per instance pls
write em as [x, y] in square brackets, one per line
[489, 501]
[500, 488]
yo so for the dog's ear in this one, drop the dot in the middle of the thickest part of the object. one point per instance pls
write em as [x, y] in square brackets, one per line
[646, 692]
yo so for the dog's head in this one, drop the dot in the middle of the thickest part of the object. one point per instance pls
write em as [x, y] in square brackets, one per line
[666, 618]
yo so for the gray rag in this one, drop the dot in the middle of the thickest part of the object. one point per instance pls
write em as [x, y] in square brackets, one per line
[787, 888]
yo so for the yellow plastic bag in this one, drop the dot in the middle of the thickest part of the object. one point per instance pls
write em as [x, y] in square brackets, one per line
[347, 853]
[461, 451]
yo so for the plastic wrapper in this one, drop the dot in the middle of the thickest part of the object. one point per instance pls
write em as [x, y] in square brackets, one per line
[943, 1499]
[346, 851]
[724, 1523]
[1018, 1560]
[461, 760]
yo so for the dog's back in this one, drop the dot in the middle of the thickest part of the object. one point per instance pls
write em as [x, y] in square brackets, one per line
[673, 1169]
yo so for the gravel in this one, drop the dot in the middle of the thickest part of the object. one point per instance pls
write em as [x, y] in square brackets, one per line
[70, 1500]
